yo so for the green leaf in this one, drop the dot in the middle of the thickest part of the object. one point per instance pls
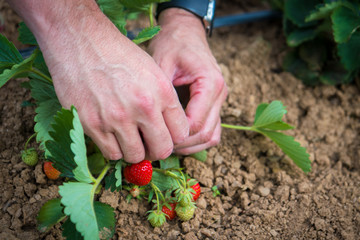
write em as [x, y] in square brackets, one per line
[78, 147]
[118, 174]
[345, 23]
[50, 214]
[322, 11]
[105, 218]
[314, 54]
[162, 181]
[201, 156]
[140, 5]
[9, 55]
[349, 53]
[58, 147]
[299, 68]
[170, 162]
[39, 63]
[18, 70]
[300, 35]
[259, 110]
[291, 148]
[78, 197]
[280, 125]
[69, 231]
[25, 35]
[146, 34]
[96, 163]
[110, 182]
[115, 11]
[297, 11]
[334, 73]
[48, 105]
[271, 114]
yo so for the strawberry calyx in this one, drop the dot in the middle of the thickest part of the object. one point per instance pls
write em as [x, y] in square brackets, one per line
[156, 218]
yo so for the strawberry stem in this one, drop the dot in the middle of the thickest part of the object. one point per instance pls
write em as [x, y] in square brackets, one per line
[157, 191]
[238, 127]
[101, 176]
[151, 17]
[27, 142]
[39, 73]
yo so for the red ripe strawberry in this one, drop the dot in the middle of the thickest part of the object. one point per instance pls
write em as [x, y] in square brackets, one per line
[170, 213]
[139, 174]
[197, 189]
[50, 171]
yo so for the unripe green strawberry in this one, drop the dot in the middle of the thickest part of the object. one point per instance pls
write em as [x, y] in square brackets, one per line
[29, 156]
[156, 218]
[185, 213]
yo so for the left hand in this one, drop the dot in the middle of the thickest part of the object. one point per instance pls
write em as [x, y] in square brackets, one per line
[182, 52]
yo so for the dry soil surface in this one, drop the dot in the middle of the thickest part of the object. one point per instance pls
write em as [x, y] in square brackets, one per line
[263, 194]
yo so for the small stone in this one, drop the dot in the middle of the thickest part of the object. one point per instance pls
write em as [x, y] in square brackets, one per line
[263, 191]
[273, 233]
[218, 160]
[201, 203]
[304, 187]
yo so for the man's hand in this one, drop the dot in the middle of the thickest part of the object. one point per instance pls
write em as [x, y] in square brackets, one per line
[125, 103]
[182, 52]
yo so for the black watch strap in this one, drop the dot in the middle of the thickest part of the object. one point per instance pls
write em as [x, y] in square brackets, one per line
[204, 9]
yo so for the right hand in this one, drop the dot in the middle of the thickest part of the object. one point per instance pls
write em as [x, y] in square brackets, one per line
[125, 102]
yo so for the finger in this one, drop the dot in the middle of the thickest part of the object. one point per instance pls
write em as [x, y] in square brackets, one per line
[215, 139]
[204, 134]
[157, 138]
[108, 145]
[129, 139]
[175, 118]
[104, 140]
[205, 96]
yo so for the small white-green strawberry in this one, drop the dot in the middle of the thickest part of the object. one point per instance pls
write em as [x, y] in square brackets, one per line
[185, 213]
[29, 156]
[156, 218]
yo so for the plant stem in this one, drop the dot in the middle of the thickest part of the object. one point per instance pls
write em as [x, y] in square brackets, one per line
[101, 176]
[167, 173]
[151, 15]
[27, 142]
[157, 191]
[238, 127]
[39, 73]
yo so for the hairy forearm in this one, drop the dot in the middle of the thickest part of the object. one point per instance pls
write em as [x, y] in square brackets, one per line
[65, 27]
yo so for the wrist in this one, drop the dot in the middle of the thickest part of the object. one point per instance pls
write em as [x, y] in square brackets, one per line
[175, 18]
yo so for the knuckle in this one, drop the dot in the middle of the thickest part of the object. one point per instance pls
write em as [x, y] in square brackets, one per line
[164, 153]
[206, 136]
[117, 114]
[115, 155]
[145, 103]
[214, 141]
[134, 156]
[196, 127]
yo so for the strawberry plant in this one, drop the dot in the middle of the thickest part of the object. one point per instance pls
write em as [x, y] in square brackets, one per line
[71, 154]
[324, 37]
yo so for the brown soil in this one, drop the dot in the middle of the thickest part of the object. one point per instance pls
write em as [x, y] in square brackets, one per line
[264, 195]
